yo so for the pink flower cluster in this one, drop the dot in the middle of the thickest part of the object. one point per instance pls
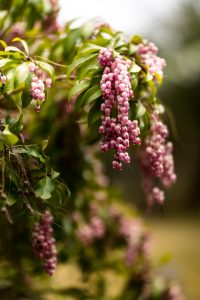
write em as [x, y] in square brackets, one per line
[155, 146]
[38, 86]
[148, 54]
[129, 231]
[44, 244]
[89, 232]
[118, 132]
[174, 293]
[156, 160]
[3, 78]
[132, 232]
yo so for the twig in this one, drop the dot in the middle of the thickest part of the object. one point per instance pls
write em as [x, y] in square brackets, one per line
[50, 61]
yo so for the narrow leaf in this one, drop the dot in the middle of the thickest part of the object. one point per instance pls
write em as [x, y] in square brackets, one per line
[92, 94]
[4, 61]
[26, 96]
[24, 44]
[22, 72]
[14, 49]
[78, 88]
[78, 61]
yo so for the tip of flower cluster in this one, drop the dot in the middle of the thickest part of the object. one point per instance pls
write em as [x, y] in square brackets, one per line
[3, 79]
[37, 108]
[32, 67]
[44, 244]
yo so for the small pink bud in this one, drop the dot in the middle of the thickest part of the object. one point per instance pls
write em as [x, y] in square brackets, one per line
[32, 67]
[3, 79]
[37, 108]
[48, 82]
[34, 79]
[40, 85]
[41, 96]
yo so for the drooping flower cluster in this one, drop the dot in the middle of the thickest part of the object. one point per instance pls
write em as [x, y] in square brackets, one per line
[37, 85]
[135, 237]
[118, 132]
[174, 293]
[95, 229]
[156, 160]
[148, 54]
[44, 244]
[114, 227]
[16, 30]
[3, 78]
[51, 21]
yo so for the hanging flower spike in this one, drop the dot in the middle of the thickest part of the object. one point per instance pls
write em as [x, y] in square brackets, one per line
[148, 54]
[118, 132]
[48, 82]
[44, 243]
[156, 160]
[37, 85]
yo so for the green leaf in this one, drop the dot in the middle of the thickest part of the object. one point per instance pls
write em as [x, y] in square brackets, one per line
[44, 144]
[3, 43]
[26, 95]
[79, 61]
[22, 72]
[92, 94]
[147, 78]
[5, 61]
[34, 151]
[78, 102]
[44, 188]
[7, 137]
[140, 110]
[132, 49]
[54, 174]
[78, 88]
[134, 83]
[18, 126]
[10, 53]
[94, 113]
[14, 49]
[11, 199]
[135, 68]
[88, 68]
[159, 78]
[10, 83]
[136, 39]
[89, 48]
[24, 44]
[46, 67]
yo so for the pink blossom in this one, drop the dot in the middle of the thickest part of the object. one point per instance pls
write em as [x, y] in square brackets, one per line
[118, 132]
[44, 243]
[148, 54]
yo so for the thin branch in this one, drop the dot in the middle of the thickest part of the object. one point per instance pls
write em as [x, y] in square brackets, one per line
[50, 61]
[61, 77]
